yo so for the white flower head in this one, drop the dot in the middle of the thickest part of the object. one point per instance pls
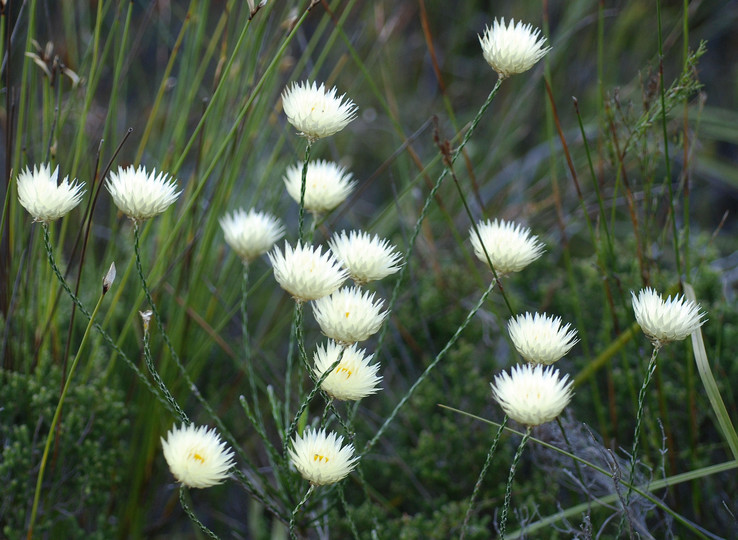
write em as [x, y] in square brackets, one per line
[251, 233]
[327, 185]
[305, 272]
[139, 194]
[540, 338]
[46, 201]
[320, 458]
[511, 247]
[348, 316]
[196, 456]
[532, 395]
[365, 257]
[664, 321]
[315, 112]
[353, 378]
[512, 49]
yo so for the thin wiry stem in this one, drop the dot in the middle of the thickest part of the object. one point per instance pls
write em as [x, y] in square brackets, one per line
[246, 340]
[347, 509]
[307, 400]
[430, 367]
[157, 378]
[508, 487]
[106, 337]
[191, 514]
[426, 208]
[297, 509]
[301, 212]
[482, 474]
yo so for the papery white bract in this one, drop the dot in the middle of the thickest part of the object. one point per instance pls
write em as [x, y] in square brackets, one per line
[139, 194]
[251, 233]
[664, 321]
[196, 456]
[40, 195]
[321, 458]
[532, 395]
[327, 185]
[353, 378]
[349, 316]
[512, 49]
[365, 257]
[540, 338]
[316, 112]
[511, 247]
[305, 272]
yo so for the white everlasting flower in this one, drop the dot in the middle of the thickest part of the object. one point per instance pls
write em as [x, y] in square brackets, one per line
[664, 321]
[348, 316]
[39, 193]
[510, 246]
[306, 273]
[139, 194]
[540, 338]
[327, 185]
[251, 233]
[532, 395]
[320, 458]
[315, 112]
[196, 456]
[353, 378]
[365, 257]
[512, 49]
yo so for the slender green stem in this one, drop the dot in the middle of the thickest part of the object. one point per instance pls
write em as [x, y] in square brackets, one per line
[347, 514]
[426, 208]
[427, 371]
[246, 340]
[190, 514]
[508, 487]
[155, 374]
[290, 364]
[571, 449]
[639, 418]
[301, 213]
[482, 474]
[57, 413]
[106, 337]
[297, 509]
[307, 400]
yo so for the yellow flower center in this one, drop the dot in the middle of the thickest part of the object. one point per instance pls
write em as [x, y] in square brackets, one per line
[319, 458]
[197, 457]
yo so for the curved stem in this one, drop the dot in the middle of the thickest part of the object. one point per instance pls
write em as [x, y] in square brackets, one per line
[426, 208]
[191, 514]
[297, 509]
[508, 487]
[482, 474]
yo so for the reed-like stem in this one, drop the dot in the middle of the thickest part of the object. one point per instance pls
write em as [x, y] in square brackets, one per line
[508, 486]
[57, 413]
[482, 474]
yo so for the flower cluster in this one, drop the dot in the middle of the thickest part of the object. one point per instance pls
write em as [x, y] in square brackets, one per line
[316, 112]
[512, 49]
[196, 456]
[141, 195]
[510, 247]
[327, 185]
[321, 457]
[44, 198]
[251, 233]
[667, 320]
[353, 378]
[540, 338]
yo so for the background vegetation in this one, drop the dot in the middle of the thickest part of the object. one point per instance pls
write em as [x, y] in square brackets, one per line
[193, 88]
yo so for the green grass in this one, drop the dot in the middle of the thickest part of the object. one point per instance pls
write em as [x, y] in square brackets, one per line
[626, 190]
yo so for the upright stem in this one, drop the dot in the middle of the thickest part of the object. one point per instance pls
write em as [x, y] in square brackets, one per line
[639, 419]
[57, 413]
[508, 487]
[297, 509]
[191, 514]
[482, 474]
[301, 214]
[247, 340]
[430, 367]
